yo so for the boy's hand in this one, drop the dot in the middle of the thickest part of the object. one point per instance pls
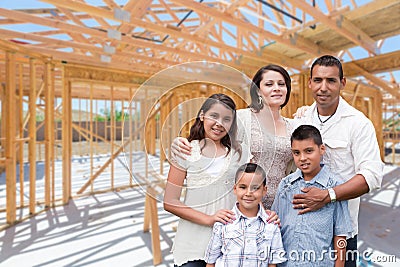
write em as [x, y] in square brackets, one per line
[180, 147]
[313, 199]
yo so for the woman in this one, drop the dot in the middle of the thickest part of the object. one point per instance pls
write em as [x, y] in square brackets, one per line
[262, 127]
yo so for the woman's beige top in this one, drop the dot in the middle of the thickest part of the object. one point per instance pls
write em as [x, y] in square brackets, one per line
[271, 152]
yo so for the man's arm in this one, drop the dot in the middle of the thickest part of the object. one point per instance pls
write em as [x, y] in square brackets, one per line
[210, 265]
[353, 188]
[315, 198]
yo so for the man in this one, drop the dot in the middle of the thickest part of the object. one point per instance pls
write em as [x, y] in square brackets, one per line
[352, 148]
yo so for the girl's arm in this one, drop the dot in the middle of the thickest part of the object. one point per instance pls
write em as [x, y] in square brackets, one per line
[173, 204]
[210, 265]
[339, 246]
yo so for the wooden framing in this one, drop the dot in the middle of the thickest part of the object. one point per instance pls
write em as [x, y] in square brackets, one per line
[151, 221]
[260, 36]
[66, 140]
[32, 137]
[10, 148]
[104, 66]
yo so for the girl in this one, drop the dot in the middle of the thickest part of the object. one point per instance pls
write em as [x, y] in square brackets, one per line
[209, 174]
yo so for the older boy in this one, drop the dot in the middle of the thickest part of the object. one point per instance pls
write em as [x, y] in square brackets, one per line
[315, 238]
[352, 147]
[250, 240]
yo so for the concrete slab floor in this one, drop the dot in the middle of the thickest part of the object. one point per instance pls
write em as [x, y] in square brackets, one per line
[106, 230]
[98, 230]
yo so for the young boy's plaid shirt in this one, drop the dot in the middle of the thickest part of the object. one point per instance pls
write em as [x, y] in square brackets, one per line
[245, 242]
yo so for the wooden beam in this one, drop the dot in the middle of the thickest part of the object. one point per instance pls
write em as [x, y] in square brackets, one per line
[137, 9]
[155, 229]
[9, 46]
[32, 137]
[106, 74]
[343, 26]
[371, 7]
[128, 40]
[201, 29]
[377, 81]
[76, 36]
[20, 135]
[300, 43]
[65, 57]
[84, 46]
[99, 12]
[369, 66]
[66, 125]
[49, 117]
[377, 64]
[11, 161]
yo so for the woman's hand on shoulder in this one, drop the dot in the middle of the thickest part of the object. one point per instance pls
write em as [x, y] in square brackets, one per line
[223, 216]
[180, 147]
[273, 217]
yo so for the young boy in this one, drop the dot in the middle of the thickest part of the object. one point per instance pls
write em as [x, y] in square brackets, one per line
[249, 240]
[315, 238]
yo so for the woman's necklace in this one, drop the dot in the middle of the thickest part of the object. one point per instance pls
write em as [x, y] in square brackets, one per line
[323, 121]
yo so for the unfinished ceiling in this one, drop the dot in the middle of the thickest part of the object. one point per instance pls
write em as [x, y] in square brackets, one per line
[147, 36]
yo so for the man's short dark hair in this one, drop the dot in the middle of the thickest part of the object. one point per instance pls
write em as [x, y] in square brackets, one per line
[304, 132]
[251, 168]
[328, 61]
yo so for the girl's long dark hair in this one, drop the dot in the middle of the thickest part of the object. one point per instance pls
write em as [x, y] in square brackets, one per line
[229, 140]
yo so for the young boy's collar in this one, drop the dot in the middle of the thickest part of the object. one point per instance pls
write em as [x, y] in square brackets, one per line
[322, 177]
[261, 214]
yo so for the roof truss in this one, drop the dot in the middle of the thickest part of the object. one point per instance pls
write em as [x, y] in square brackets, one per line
[150, 35]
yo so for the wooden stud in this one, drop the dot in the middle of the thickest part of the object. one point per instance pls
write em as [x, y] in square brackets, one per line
[91, 129]
[32, 137]
[66, 140]
[151, 219]
[48, 136]
[131, 137]
[52, 136]
[3, 99]
[10, 103]
[163, 113]
[20, 145]
[112, 134]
